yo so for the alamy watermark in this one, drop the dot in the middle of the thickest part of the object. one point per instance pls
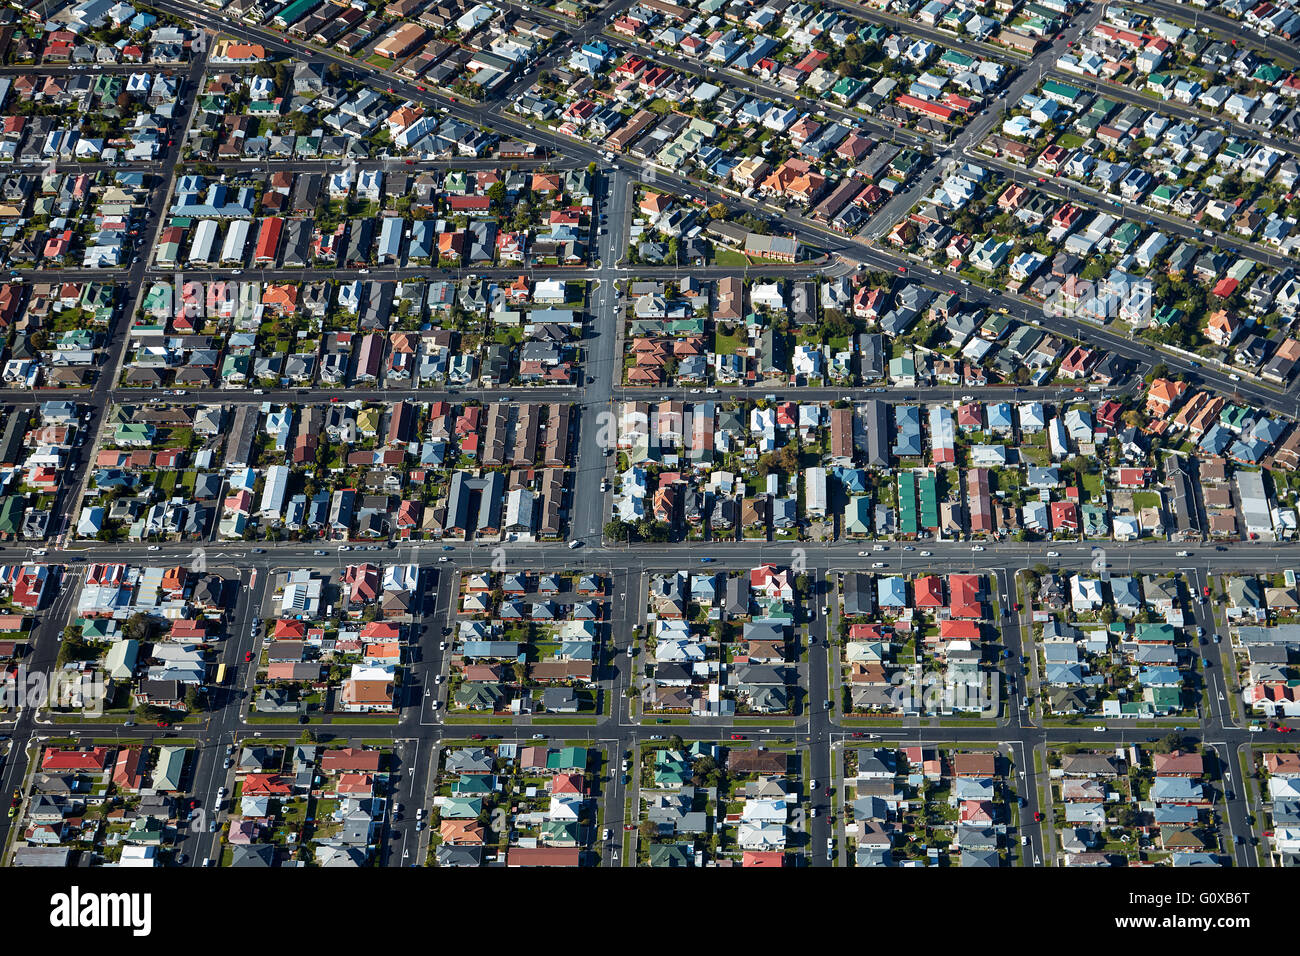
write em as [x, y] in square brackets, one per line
[1130, 299]
[84, 691]
[944, 693]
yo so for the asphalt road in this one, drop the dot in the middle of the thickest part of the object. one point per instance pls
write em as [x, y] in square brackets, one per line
[823, 731]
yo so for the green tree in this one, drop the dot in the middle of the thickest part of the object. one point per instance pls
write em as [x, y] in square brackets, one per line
[617, 530]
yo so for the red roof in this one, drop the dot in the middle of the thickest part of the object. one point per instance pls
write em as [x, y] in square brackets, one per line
[1225, 287]
[265, 784]
[964, 591]
[59, 760]
[268, 238]
[567, 783]
[952, 630]
[289, 630]
[350, 758]
[929, 591]
[1065, 516]
[908, 101]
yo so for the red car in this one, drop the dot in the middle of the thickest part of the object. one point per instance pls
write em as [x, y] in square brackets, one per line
[737, 736]
[1038, 817]
[248, 656]
[163, 723]
[857, 734]
[475, 736]
[628, 826]
[902, 269]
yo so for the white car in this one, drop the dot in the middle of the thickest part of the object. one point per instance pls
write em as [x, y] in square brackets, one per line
[604, 834]
[925, 554]
[863, 554]
[1184, 554]
[877, 564]
[1053, 554]
[977, 547]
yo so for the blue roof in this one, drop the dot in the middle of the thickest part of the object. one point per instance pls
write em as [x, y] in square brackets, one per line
[1215, 440]
[891, 592]
[1175, 788]
[1159, 677]
[854, 480]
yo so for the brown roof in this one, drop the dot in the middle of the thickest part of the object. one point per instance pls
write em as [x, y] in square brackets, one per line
[544, 856]
[975, 765]
[350, 758]
[757, 761]
[1282, 764]
[1178, 764]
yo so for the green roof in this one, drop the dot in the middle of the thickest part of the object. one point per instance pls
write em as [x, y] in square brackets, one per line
[671, 854]
[929, 488]
[460, 808]
[672, 769]
[848, 88]
[1153, 632]
[907, 503]
[567, 758]
[472, 783]
[1064, 90]
[11, 512]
